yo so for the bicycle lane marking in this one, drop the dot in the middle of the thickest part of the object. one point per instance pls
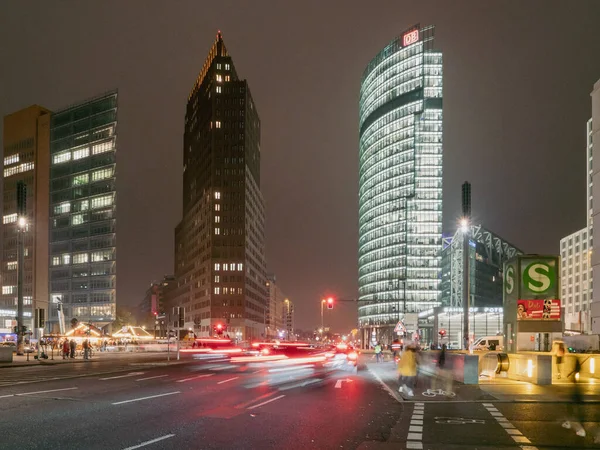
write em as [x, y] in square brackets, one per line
[510, 429]
[461, 424]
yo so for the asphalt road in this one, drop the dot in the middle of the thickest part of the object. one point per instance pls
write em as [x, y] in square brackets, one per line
[199, 405]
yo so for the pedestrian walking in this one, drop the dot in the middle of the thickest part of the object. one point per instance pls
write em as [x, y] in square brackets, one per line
[65, 348]
[559, 353]
[378, 351]
[407, 370]
[86, 349]
[73, 346]
[444, 375]
[574, 407]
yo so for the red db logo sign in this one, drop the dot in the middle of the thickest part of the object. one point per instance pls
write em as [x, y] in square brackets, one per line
[410, 38]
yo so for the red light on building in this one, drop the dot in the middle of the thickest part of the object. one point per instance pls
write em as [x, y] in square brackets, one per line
[410, 38]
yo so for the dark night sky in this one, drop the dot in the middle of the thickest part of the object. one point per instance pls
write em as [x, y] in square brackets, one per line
[517, 78]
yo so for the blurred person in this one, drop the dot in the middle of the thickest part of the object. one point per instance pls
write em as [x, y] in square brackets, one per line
[73, 346]
[559, 353]
[86, 349]
[407, 370]
[65, 348]
[378, 351]
[443, 375]
[575, 410]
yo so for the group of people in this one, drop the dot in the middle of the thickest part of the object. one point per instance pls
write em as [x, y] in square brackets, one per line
[69, 348]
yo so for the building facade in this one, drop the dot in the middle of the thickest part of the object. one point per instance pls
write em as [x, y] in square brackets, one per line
[487, 254]
[219, 243]
[400, 182]
[288, 321]
[275, 307]
[83, 272]
[26, 159]
[155, 302]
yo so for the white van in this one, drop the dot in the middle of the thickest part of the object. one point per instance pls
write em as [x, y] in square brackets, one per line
[484, 343]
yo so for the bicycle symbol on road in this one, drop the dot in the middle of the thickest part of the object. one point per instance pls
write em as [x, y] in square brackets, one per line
[458, 421]
[434, 392]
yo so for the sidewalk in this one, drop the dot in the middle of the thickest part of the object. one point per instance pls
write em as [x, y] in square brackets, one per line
[21, 361]
[500, 389]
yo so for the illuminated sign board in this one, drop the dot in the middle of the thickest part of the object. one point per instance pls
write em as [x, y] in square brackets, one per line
[410, 37]
[548, 309]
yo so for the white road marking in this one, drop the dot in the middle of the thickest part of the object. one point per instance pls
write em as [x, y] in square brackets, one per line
[146, 398]
[415, 429]
[5, 396]
[143, 444]
[132, 374]
[338, 383]
[488, 404]
[195, 378]
[415, 436]
[268, 401]
[385, 386]
[151, 378]
[414, 445]
[510, 429]
[227, 381]
[44, 392]
[222, 368]
[521, 439]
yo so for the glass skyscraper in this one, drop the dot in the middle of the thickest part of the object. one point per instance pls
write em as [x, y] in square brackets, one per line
[400, 183]
[83, 211]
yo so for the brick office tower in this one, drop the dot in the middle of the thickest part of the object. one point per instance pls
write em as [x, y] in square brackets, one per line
[219, 243]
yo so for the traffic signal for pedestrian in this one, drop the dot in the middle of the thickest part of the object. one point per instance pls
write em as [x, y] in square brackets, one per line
[330, 303]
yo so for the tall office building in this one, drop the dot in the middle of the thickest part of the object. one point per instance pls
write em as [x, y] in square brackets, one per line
[83, 269]
[595, 140]
[575, 263]
[26, 159]
[400, 182]
[219, 243]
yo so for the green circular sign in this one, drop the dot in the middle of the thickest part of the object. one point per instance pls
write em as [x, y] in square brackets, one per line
[509, 280]
[539, 277]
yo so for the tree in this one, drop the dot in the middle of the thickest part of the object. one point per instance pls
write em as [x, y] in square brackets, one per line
[123, 318]
[74, 322]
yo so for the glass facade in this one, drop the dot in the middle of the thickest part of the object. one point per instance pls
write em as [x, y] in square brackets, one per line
[83, 211]
[400, 180]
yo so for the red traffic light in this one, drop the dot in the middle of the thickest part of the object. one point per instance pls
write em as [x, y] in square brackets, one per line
[219, 326]
[442, 332]
[330, 303]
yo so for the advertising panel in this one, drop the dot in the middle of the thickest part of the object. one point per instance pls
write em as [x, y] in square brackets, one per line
[548, 309]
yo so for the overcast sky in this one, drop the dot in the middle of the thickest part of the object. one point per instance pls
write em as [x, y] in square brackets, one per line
[517, 79]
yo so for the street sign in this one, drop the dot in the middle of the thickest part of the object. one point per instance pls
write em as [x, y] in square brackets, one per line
[411, 321]
[400, 328]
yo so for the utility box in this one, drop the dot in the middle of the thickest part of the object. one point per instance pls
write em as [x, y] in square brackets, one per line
[6, 354]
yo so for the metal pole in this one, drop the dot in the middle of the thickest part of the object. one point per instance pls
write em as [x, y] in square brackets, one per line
[466, 294]
[178, 338]
[322, 317]
[20, 245]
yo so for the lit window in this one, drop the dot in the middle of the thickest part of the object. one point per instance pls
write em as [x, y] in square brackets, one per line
[217, 290]
[18, 169]
[100, 202]
[218, 89]
[101, 174]
[219, 78]
[240, 291]
[81, 153]
[217, 231]
[217, 278]
[217, 207]
[8, 289]
[225, 266]
[11, 265]
[11, 160]
[77, 219]
[217, 195]
[226, 77]
[102, 147]
[217, 266]
[217, 219]
[62, 208]
[61, 157]
[218, 124]
[104, 255]
[240, 266]
[78, 180]
[27, 300]
[56, 260]
[227, 66]
[218, 65]
[80, 258]
[66, 258]
[9, 218]
[225, 290]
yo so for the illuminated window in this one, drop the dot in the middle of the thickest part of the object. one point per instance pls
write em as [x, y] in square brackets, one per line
[218, 124]
[77, 219]
[104, 255]
[27, 300]
[56, 260]
[61, 157]
[217, 195]
[100, 202]
[218, 89]
[217, 266]
[78, 180]
[217, 290]
[62, 208]
[240, 266]
[217, 207]
[218, 66]
[217, 219]
[12, 265]
[18, 169]
[102, 147]
[227, 67]
[217, 231]
[11, 159]
[102, 174]
[8, 289]
[219, 78]
[240, 291]
[81, 153]
[225, 290]
[9, 218]
[225, 266]
[226, 77]
[80, 258]
[217, 278]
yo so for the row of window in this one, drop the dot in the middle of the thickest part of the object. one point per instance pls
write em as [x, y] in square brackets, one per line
[84, 152]
[18, 169]
[229, 266]
[82, 258]
[228, 290]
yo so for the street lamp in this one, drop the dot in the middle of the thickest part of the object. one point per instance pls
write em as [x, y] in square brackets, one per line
[464, 225]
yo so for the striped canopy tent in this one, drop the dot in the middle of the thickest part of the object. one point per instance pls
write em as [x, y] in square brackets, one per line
[131, 332]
